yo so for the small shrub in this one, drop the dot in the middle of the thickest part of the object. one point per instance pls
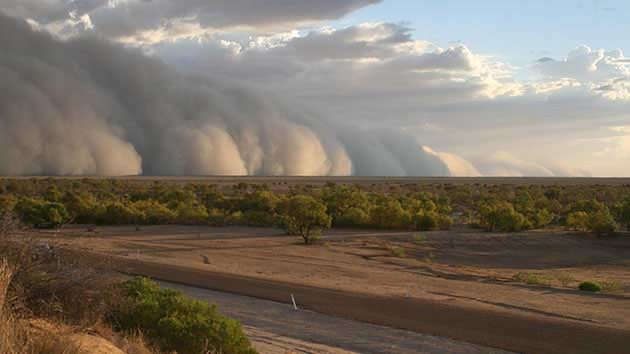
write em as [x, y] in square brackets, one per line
[530, 279]
[590, 286]
[565, 279]
[419, 239]
[399, 252]
[177, 323]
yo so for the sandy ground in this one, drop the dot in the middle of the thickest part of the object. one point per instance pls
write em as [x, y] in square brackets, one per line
[276, 328]
[464, 268]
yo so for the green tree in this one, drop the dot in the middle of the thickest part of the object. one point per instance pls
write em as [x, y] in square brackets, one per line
[154, 213]
[390, 214]
[347, 205]
[353, 217]
[501, 216]
[578, 220]
[601, 222]
[305, 216]
[120, 213]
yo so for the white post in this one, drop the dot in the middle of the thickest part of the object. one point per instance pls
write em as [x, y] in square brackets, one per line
[293, 300]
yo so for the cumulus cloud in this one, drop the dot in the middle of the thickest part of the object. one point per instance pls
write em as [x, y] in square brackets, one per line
[90, 107]
[586, 64]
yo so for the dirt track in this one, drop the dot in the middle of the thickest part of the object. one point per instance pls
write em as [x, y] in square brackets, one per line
[514, 332]
[276, 328]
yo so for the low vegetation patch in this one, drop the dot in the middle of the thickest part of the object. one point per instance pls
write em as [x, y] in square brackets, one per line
[71, 296]
[176, 322]
[532, 279]
[399, 252]
[590, 286]
[610, 285]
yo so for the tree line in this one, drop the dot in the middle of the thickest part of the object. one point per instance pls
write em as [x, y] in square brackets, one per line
[306, 210]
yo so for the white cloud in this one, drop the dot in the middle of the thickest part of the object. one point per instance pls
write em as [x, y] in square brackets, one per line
[586, 65]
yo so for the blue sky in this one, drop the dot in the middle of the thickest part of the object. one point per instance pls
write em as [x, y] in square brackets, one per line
[517, 32]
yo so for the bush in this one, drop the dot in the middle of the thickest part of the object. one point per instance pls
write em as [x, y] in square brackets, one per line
[41, 213]
[177, 323]
[601, 222]
[390, 215]
[590, 286]
[352, 217]
[501, 216]
[578, 221]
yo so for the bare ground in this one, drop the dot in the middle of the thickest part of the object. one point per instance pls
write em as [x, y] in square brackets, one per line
[464, 269]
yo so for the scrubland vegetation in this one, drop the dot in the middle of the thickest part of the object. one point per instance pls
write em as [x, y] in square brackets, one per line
[306, 211]
[49, 301]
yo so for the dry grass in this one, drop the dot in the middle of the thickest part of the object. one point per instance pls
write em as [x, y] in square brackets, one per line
[134, 344]
[16, 337]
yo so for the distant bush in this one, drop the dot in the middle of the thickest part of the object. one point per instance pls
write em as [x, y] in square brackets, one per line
[531, 279]
[590, 286]
[578, 220]
[353, 217]
[602, 222]
[599, 221]
[177, 323]
[42, 213]
[501, 216]
[390, 215]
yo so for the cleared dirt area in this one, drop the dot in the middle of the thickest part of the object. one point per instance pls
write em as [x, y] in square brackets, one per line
[496, 282]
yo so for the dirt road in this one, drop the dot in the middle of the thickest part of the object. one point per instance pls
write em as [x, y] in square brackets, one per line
[336, 334]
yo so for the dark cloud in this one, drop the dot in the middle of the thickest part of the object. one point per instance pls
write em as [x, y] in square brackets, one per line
[123, 18]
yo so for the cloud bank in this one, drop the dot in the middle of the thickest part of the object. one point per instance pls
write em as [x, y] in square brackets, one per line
[89, 107]
[262, 87]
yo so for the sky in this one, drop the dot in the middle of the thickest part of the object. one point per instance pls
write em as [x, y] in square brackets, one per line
[327, 87]
[515, 31]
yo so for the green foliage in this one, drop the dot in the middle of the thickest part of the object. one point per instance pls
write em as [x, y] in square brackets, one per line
[531, 278]
[119, 213]
[347, 206]
[390, 215]
[305, 216]
[177, 323]
[7, 202]
[495, 207]
[189, 213]
[590, 286]
[431, 220]
[595, 218]
[41, 213]
[540, 218]
[353, 217]
[501, 216]
[578, 220]
[154, 212]
[398, 252]
[602, 222]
